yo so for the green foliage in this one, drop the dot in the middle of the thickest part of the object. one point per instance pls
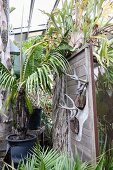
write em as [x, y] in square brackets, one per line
[94, 20]
[44, 56]
[93, 17]
[60, 27]
[104, 56]
[38, 68]
[7, 80]
[41, 160]
[52, 160]
[41, 61]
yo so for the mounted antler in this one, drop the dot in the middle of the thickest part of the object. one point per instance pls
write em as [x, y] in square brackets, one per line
[73, 109]
[80, 114]
[75, 77]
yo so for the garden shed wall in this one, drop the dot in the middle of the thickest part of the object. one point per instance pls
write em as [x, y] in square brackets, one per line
[83, 65]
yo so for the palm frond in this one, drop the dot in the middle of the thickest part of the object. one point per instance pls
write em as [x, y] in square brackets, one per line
[39, 67]
[11, 98]
[60, 61]
[40, 79]
[33, 60]
[28, 104]
[45, 159]
[7, 80]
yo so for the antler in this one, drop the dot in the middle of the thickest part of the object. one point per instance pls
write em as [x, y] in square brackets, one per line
[69, 108]
[73, 109]
[81, 115]
[75, 77]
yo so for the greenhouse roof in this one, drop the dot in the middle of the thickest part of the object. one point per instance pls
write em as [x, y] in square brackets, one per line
[33, 18]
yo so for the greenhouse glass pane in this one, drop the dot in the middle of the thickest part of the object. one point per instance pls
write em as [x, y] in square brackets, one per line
[16, 15]
[38, 18]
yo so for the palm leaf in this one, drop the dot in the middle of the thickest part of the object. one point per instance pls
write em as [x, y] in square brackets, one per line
[29, 104]
[7, 80]
[46, 160]
[11, 98]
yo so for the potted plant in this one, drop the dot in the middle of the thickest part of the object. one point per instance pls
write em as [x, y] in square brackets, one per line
[41, 61]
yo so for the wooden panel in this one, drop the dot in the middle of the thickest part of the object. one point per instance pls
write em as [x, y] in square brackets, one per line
[87, 124]
[76, 59]
[87, 132]
[86, 147]
[72, 89]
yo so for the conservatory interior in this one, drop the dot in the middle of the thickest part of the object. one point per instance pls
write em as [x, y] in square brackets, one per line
[56, 85]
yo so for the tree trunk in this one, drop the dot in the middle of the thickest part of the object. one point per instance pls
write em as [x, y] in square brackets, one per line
[22, 116]
[60, 118]
[5, 127]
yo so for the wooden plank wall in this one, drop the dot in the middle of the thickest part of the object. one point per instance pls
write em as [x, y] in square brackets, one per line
[86, 147]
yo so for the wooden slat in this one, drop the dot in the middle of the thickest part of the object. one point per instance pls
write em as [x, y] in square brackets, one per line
[86, 142]
[81, 147]
[75, 59]
[78, 63]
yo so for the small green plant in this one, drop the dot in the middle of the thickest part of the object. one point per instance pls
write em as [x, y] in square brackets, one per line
[52, 160]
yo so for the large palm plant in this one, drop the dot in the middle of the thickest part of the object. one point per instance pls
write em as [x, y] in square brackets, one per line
[40, 63]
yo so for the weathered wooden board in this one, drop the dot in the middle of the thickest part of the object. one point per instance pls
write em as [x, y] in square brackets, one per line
[87, 146]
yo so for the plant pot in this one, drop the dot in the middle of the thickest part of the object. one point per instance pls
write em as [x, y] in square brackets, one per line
[18, 150]
[35, 119]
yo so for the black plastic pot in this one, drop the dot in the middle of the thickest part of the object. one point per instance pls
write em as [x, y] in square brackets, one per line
[35, 119]
[18, 150]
